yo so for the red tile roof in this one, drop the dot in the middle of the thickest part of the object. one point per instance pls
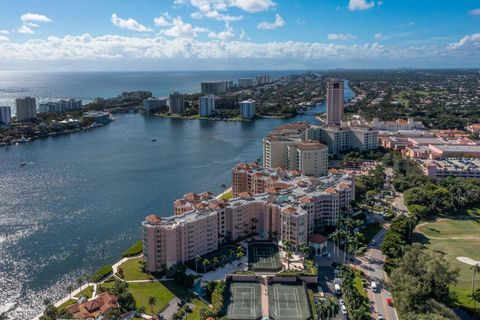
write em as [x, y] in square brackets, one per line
[153, 219]
[317, 238]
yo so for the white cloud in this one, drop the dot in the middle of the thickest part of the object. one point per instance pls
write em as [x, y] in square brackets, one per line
[469, 42]
[4, 32]
[87, 48]
[129, 24]
[163, 21]
[253, 6]
[31, 24]
[25, 29]
[378, 36]
[341, 36]
[182, 29]
[4, 38]
[27, 17]
[475, 12]
[359, 5]
[279, 22]
[222, 35]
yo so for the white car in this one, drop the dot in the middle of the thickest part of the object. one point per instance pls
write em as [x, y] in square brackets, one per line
[341, 302]
[343, 309]
[380, 317]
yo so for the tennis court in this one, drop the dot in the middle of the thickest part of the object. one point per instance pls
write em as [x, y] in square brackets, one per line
[263, 257]
[244, 301]
[288, 301]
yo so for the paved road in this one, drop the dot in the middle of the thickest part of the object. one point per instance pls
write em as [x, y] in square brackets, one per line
[372, 265]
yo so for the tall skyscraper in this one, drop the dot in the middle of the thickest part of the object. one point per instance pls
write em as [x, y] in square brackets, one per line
[26, 108]
[334, 102]
[177, 103]
[5, 115]
[206, 105]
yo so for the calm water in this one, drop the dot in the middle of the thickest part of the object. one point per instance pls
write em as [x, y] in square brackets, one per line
[79, 201]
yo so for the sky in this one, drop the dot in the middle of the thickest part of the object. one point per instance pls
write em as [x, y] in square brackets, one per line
[79, 35]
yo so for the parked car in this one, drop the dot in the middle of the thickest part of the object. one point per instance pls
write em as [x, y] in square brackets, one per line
[338, 290]
[390, 302]
[380, 317]
[343, 309]
[329, 256]
[341, 302]
[374, 286]
[373, 243]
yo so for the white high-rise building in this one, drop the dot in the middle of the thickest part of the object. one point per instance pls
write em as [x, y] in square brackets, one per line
[26, 108]
[246, 82]
[177, 103]
[5, 115]
[206, 105]
[247, 109]
[334, 102]
[263, 79]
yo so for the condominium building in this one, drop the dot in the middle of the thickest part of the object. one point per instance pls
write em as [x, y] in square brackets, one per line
[450, 167]
[309, 157]
[278, 203]
[263, 79]
[5, 115]
[363, 138]
[340, 139]
[154, 104]
[215, 87]
[206, 105]
[177, 103]
[26, 108]
[335, 102]
[247, 109]
[60, 106]
[399, 124]
[246, 82]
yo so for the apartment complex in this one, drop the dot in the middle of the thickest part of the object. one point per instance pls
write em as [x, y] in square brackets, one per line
[5, 115]
[450, 167]
[152, 104]
[335, 90]
[281, 204]
[246, 82]
[263, 79]
[215, 87]
[206, 105]
[247, 109]
[26, 108]
[60, 106]
[399, 124]
[177, 103]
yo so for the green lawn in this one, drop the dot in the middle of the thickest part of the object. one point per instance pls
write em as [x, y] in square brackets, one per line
[131, 270]
[456, 244]
[228, 195]
[142, 291]
[66, 304]
[86, 292]
[135, 249]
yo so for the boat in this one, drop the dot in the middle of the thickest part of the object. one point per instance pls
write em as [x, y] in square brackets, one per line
[154, 140]
[23, 164]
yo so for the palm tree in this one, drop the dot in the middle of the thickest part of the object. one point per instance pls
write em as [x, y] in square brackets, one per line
[205, 262]
[3, 316]
[215, 262]
[336, 237]
[151, 302]
[305, 250]
[69, 289]
[197, 259]
[288, 256]
[240, 254]
[476, 269]
[286, 244]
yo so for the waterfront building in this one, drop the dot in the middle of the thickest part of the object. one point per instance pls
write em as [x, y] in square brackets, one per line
[276, 142]
[285, 205]
[215, 87]
[5, 115]
[335, 102]
[206, 105]
[95, 308]
[308, 157]
[247, 109]
[246, 82]
[26, 108]
[450, 167]
[100, 117]
[137, 95]
[60, 106]
[263, 79]
[340, 139]
[177, 103]
[154, 104]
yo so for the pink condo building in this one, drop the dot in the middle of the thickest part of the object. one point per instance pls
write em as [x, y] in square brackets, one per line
[273, 202]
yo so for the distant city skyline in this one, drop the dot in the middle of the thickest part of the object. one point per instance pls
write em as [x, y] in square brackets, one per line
[238, 34]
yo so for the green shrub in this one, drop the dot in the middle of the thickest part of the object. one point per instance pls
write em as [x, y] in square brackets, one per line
[135, 249]
[102, 273]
